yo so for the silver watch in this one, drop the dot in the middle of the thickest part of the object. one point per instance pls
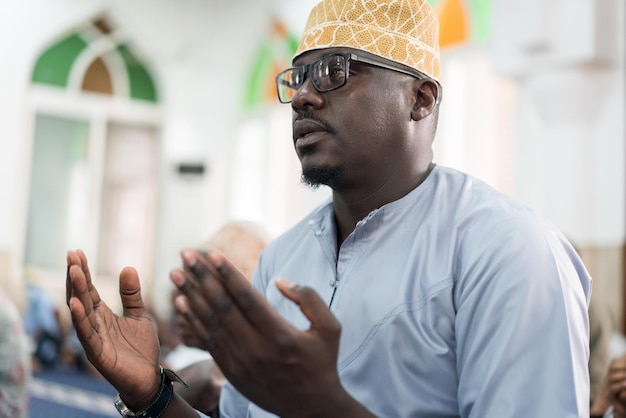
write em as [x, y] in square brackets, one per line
[159, 404]
[122, 408]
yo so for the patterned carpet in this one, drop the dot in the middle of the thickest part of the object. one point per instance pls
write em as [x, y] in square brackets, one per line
[70, 394]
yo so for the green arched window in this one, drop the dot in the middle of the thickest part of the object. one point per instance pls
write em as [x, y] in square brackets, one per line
[112, 67]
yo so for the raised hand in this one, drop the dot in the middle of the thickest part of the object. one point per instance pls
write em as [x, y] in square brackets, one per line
[125, 349]
[280, 368]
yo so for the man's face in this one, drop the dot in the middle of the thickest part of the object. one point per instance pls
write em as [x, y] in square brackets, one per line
[351, 136]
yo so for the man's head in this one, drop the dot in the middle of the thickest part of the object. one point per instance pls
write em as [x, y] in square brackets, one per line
[364, 89]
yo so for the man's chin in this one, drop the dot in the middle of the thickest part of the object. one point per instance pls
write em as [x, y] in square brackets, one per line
[320, 176]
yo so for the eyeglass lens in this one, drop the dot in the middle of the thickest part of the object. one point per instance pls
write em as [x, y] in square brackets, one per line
[326, 74]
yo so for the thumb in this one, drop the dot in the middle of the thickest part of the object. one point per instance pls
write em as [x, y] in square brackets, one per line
[312, 306]
[130, 292]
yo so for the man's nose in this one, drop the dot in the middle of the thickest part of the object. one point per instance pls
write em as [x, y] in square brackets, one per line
[307, 96]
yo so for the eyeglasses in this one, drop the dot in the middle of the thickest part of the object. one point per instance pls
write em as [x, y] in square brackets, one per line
[327, 73]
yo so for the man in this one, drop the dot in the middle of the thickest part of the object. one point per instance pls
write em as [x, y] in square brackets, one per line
[417, 291]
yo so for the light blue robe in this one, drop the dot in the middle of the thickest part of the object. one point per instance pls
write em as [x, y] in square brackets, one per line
[455, 301]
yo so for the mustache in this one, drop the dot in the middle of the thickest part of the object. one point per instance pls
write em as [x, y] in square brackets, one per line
[312, 116]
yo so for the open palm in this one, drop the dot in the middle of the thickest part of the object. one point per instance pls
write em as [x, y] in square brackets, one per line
[120, 347]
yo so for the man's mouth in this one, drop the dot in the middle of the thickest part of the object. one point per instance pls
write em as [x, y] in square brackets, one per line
[306, 131]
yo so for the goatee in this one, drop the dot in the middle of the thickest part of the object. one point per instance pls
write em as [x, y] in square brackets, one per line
[316, 176]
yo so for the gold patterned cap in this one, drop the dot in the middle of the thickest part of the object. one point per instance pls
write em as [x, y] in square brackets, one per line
[404, 31]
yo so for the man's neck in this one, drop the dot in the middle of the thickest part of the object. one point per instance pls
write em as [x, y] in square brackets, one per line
[353, 205]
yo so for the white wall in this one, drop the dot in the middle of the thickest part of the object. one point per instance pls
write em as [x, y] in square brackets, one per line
[567, 57]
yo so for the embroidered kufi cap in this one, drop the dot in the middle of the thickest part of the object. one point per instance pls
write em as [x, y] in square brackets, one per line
[404, 31]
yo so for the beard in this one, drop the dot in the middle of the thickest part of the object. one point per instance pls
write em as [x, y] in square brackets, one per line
[319, 176]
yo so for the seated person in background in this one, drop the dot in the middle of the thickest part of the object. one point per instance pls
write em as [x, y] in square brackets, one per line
[242, 243]
[14, 361]
[42, 322]
[611, 398]
[600, 330]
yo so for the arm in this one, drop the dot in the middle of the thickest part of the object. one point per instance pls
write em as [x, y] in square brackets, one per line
[205, 382]
[123, 348]
[284, 370]
[522, 326]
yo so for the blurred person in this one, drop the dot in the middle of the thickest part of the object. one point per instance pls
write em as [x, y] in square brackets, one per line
[42, 322]
[415, 291]
[14, 361]
[600, 331]
[242, 242]
[611, 397]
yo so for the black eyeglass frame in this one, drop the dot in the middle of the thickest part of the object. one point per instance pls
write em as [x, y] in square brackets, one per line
[347, 56]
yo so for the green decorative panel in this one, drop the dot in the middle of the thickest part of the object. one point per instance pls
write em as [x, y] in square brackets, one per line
[480, 12]
[434, 3]
[54, 65]
[141, 84]
[273, 56]
[254, 93]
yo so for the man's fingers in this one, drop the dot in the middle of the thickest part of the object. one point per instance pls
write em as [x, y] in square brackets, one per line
[222, 299]
[253, 306]
[95, 296]
[79, 291]
[208, 307]
[312, 306]
[227, 290]
[202, 335]
[78, 258]
[68, 280]
[85, 331]
[72, 259]
[130, 292]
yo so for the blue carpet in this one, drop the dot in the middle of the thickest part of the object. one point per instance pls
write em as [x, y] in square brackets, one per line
[63, 393]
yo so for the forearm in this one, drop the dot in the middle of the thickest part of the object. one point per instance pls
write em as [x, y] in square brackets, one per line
[179, 408]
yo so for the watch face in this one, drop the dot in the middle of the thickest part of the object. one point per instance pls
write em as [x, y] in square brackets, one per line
[121, 408]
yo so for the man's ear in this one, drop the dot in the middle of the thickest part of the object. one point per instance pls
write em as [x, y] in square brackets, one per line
[426, 98]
